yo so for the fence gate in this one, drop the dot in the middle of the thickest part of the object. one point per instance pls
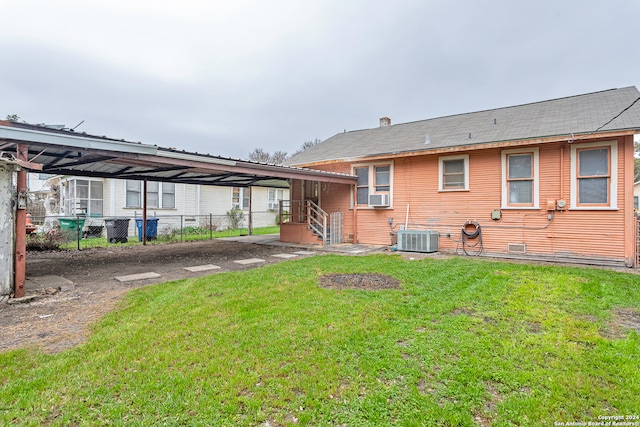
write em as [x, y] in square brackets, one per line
[335, 220]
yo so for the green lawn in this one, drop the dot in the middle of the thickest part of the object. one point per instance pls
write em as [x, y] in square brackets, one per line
[463, 342]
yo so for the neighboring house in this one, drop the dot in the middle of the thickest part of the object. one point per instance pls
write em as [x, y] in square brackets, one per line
[175, 204]
[550, 180]
[636, 196]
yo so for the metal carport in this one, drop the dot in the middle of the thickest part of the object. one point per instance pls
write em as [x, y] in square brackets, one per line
[65, 152]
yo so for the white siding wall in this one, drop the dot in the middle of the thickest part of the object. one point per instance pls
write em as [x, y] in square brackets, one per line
[215, 200]
[6, 230]
[192, 205]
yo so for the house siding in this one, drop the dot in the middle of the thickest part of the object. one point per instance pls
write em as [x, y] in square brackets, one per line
[193, 206]
[580, 234]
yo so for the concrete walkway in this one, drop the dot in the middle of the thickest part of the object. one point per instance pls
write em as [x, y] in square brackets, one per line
[342, 248]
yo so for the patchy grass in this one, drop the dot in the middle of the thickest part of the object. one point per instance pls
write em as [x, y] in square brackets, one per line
[462, 342]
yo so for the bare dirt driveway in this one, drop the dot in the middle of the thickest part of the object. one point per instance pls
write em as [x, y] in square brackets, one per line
[58, 321]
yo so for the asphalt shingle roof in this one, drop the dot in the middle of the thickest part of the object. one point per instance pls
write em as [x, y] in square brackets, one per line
[609, 110]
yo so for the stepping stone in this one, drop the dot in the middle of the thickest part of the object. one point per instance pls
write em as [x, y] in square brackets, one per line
[249, 261]
[205, 267]
[357, 251]
[20, 300]
[304, 253]
[139, 276]
[286, 256]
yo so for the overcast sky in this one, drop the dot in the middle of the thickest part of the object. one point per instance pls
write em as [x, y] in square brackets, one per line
[225, 77]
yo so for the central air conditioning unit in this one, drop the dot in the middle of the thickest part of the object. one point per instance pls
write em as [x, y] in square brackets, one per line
[418, 240]
[378, 200]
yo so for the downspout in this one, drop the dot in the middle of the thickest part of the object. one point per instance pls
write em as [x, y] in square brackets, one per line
[562, 171]
[355, 214]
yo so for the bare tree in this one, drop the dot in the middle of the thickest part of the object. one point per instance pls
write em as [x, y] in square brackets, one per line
[259, 155]
[278, 157]
[307, 144]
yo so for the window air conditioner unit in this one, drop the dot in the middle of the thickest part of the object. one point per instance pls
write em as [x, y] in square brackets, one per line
[378, 200]
[418, 240]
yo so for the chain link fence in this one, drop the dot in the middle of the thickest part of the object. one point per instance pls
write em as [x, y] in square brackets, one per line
[80, 232]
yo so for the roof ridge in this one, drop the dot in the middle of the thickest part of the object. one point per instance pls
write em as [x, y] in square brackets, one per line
[492, 109]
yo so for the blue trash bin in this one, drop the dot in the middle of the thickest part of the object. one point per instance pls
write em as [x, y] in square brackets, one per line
[152, 228]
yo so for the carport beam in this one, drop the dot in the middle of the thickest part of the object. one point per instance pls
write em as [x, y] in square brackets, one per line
[21, 226]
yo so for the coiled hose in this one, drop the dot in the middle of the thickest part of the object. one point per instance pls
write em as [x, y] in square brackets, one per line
[470, 239]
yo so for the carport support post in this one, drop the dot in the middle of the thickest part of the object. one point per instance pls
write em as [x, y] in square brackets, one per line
[250, 225]
[21, 226]
[144, 212]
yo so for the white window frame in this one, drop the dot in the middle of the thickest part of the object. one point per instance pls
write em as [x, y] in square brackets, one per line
[372, 184]
[274, 196]
[613, 183]
[242, 197]
[441, 161]
[70, 202]
[161, 193]
[536, 177]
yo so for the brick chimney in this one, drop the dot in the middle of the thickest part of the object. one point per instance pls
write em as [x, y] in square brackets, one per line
[385, 121]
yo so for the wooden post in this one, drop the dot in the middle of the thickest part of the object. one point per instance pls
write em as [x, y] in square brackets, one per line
[21, 226]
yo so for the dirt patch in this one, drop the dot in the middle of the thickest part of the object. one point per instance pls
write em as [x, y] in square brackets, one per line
[623, 320]
[462, 311]
[628, 318]
[60, 321]
[365, 281]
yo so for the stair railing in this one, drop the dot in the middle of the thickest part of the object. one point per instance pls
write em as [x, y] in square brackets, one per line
[305, 211]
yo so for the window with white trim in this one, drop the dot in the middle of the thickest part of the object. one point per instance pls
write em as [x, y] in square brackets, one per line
[520, 178]
[83, 197]
[159, 194]
[594, 175]
[376, 178]
[382, 183]
[274, 197]
[453, 173]
[240, 198]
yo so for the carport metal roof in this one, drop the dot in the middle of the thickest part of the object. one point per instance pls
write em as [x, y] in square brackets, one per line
[64, 152]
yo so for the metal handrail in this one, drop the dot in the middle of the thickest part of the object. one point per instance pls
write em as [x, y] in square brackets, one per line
[305, 211]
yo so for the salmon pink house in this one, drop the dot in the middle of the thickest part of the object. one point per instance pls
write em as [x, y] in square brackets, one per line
[550, 180]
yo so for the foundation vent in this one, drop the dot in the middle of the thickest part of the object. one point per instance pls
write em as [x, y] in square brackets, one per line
[517, 248]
